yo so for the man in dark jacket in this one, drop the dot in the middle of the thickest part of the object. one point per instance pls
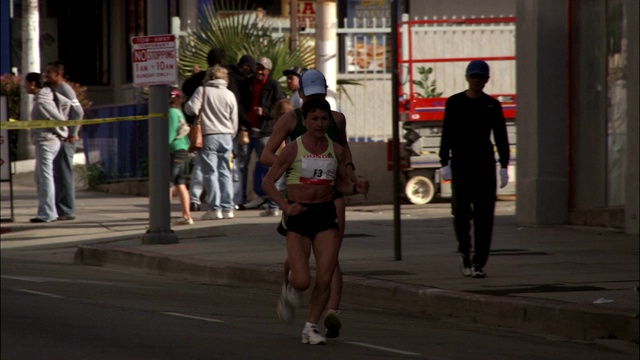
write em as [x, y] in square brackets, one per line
[259, 95]
[245, 68]
[468, 159]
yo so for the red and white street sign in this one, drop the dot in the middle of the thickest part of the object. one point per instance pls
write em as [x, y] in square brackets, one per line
[154, 60]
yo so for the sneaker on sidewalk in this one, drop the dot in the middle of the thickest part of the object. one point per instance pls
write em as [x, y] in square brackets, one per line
[311, 335]
[255, 203]
[194, 207]
[40, 220]
[183, 221]
[212, 215]
[270, 212]
[227, 214]
[333, 324]
[478, 273]
[466, 265]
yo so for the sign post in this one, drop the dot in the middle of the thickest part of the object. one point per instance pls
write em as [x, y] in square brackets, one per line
[154, 65]
[5, 156]
[154, 60]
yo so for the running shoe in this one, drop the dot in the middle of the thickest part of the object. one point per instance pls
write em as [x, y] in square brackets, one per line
[270, 212]
[285, 310]
[311, 335]
[333, 324]
[291, 295]
[212, 215]
[466, 265]
[255, 203]
[478, 273]
[183, 221]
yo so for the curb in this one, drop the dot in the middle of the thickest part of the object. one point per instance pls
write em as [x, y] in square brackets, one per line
[580, 322]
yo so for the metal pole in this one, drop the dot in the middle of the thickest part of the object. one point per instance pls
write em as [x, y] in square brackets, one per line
[395, 82]
[159, 207]
[327, 46]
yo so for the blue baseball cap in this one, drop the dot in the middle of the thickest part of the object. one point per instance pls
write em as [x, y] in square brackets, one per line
[478, 67]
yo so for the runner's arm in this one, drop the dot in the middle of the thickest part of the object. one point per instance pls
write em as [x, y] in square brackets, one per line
[344, 182]
[280, 132]
[283, 162]
[341, 122]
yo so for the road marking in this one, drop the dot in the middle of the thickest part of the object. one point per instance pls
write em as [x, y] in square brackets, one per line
[192, 317]
[383, 348]
[23, 278]
[40, 293]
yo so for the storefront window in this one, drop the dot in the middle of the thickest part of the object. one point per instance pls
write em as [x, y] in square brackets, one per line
[136, 26]
[616, 102]
[599, 103]
[83, 36]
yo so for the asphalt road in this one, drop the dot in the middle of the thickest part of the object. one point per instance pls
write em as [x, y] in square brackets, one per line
[52, 309]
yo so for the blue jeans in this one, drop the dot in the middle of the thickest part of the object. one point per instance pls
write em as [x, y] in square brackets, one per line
[63, 179]
[240, 170]
[216, 171]
[260, 171]
[46, 151]
[195, 182]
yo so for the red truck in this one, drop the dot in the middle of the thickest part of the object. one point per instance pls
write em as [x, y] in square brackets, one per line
[421, 114]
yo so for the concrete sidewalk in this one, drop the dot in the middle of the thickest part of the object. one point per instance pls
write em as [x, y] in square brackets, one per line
[574, 282]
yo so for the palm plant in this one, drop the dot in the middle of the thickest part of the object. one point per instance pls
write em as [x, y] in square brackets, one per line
[229, 25]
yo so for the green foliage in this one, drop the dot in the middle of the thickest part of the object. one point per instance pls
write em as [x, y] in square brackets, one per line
[231, 26]
[10, 86]
[93, 175]
[428, 89]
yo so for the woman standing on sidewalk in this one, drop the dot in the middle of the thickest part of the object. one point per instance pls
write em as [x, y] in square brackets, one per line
[219, 127]
[179, 147]
[314, 165]
[47, 142]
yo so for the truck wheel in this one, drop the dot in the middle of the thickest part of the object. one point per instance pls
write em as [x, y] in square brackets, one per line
[420, 190]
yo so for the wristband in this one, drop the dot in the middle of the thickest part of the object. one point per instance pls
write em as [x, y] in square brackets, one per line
[350, 164]
[355, 191]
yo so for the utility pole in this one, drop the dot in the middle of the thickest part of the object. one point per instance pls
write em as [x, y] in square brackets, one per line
[159, 207]
[30, 63]
[395, 83]
[293, 33]
[327, 45]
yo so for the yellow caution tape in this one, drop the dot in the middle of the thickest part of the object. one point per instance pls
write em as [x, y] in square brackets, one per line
[14, 124]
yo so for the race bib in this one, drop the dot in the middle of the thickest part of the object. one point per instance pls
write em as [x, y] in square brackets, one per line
[317, 171]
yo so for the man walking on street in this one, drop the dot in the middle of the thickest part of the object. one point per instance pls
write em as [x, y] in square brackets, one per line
[63, 162]
[468, 159]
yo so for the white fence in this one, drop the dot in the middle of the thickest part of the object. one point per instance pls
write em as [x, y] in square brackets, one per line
[365, 57]
[454, 41]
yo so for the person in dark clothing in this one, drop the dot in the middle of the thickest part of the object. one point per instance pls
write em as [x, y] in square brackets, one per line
[468, 159]
[259, 95]
[245, 68]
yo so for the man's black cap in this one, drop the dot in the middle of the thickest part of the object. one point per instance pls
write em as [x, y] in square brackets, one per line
[297, 71]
